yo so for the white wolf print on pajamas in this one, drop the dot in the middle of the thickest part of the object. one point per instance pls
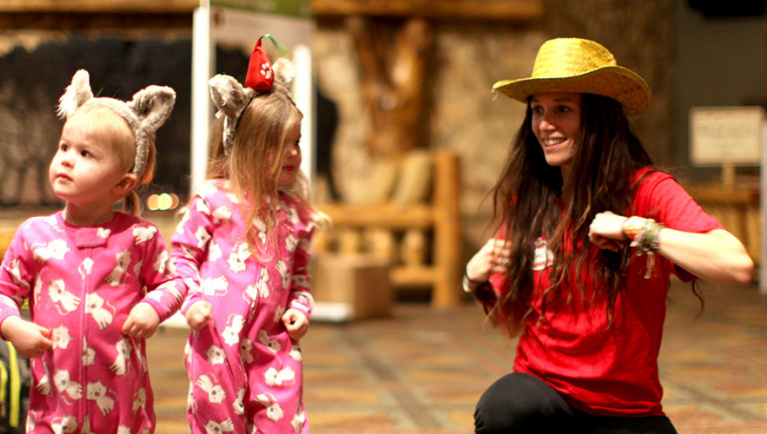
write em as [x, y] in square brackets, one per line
[245, 328]
[81, 283]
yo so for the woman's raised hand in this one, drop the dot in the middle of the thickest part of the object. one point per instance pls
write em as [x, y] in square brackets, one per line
[606, 230]
[492, 258]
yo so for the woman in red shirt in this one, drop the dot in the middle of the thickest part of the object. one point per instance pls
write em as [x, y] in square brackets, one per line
[589, 234]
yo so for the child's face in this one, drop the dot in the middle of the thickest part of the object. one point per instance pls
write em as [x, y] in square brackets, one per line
[291, 159]
[84, 171]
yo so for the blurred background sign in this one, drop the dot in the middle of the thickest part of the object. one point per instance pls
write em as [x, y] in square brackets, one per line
[726, 135]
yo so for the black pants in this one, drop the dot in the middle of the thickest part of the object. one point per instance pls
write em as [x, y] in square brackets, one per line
[522, 403]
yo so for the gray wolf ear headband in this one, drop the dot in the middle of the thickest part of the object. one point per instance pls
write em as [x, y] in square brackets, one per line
[231, 98]
[145, 113]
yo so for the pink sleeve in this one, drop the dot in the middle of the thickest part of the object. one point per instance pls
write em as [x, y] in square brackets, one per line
[190, 245]
[166, 290]
[17, 277]
[300, 297]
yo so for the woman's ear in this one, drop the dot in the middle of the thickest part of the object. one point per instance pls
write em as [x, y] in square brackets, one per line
[125, 186]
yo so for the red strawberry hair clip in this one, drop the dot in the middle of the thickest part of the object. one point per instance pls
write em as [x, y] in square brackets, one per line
[260, 75]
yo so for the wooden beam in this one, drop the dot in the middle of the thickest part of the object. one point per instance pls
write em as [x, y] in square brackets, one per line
[99, 6]
[91, 21]
[498, 10]
[383, 216]
[717, 194]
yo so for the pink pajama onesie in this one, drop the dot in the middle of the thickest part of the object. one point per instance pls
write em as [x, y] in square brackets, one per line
[244, 370]
[81, 283]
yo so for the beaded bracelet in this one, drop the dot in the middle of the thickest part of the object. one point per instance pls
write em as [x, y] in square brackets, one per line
[647, 241]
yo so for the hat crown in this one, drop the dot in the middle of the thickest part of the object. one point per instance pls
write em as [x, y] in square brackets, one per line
[566, 57]
[580, 66]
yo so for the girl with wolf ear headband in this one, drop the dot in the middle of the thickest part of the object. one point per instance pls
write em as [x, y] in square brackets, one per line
[243, 246]
[98, 281]
[588, 235]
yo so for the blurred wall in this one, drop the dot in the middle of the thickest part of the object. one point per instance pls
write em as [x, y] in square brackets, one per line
[720, 61]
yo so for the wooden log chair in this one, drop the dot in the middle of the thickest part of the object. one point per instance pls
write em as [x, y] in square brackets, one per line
[417, 229]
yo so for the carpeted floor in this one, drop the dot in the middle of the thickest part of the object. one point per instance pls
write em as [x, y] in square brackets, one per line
[421, 371]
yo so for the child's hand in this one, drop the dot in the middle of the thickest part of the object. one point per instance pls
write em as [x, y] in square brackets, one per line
[296, 323]
[198, 314]
[29, 339]
[142, 321]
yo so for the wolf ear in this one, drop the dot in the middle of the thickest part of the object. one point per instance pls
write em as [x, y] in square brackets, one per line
[229, 96]
[231, 99]
[284, 72]
[152, 106]
[76, 94]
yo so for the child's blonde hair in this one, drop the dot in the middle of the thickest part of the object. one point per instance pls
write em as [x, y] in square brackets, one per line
[254, 162]
[112, 131]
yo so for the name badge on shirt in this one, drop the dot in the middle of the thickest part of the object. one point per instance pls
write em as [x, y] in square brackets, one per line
[543, 257]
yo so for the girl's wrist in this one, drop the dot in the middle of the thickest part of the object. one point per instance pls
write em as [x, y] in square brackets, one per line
[473, 282]
[482, 291]
[468, 284]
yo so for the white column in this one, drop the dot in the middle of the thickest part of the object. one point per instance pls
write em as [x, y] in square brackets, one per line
[303, 94]
[202, 65]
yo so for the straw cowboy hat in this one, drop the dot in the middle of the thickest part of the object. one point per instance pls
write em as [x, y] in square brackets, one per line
[583, 66]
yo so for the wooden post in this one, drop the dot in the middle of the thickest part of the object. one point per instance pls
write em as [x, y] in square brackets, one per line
[447, 231]
[728, 174]
[413, 248]
[380, 243]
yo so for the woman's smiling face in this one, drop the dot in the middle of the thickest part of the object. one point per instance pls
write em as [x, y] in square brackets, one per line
[556, 122]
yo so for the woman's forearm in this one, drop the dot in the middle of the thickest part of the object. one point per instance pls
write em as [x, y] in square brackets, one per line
[715, 256]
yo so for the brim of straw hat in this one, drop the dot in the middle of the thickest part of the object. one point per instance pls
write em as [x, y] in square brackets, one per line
[617, 82]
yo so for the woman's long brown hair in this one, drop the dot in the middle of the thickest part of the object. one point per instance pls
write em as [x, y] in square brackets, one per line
[531, 199]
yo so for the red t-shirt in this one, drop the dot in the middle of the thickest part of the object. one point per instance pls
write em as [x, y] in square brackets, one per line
[602, 368]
